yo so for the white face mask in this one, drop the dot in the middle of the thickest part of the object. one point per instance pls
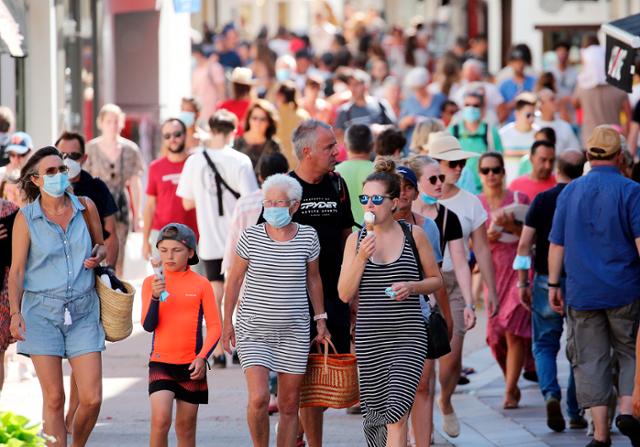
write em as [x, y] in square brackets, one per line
[74, 167]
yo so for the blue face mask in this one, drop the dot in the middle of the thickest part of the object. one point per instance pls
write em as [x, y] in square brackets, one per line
[426, 198]
[471, 114]
[55, 185]
[283, 74]
[188, 118]
[277, 216]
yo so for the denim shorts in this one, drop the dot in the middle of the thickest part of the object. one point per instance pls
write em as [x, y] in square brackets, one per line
[46, 333]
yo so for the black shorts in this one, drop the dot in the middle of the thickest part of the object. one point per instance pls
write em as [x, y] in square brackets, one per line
[175, 378]
[213, 269]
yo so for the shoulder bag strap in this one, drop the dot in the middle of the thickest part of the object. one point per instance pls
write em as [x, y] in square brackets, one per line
[406, 228]
[220, 182]
[94, 232]
[443, 242]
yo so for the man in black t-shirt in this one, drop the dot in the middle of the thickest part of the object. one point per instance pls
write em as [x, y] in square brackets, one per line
[71, 145]
[325, 206]
[547, 324]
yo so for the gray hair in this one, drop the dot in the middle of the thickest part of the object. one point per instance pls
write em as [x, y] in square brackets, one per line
[305, 135]
[285, 183]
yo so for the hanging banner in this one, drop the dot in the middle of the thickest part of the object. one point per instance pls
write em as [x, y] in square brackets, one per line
[13, 30]
[619, 63]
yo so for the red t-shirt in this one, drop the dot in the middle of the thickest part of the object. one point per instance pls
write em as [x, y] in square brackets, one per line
[239, 108]
[164, 176]
[526, 185]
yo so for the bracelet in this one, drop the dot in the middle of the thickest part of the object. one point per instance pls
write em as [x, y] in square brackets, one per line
[322, 316]
[470, 306]
[12, 314]
[554, 285]
[523, 285]
[153, 298]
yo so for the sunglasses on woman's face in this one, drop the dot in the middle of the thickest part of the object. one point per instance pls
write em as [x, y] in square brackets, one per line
[75, 156]
[496, 170]
[455, 163]
[377, 199]
[54, 170]
[434, 178]
[176, 134]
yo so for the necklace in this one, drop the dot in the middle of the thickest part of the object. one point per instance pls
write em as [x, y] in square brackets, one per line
[53, 212]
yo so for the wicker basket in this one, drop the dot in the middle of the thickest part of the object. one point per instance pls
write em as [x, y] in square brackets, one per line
[331, 380]
[115, 310]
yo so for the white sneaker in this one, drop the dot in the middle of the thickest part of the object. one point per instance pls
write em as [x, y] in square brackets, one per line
[450, 423]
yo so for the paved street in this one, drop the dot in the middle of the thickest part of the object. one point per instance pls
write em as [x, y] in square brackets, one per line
[124, 417]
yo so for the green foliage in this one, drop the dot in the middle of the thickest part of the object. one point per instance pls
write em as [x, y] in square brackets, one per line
[16, 431]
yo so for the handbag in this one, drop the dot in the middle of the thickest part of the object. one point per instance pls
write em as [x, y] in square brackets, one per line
[437, 333]
[116, 307]
[331, 380]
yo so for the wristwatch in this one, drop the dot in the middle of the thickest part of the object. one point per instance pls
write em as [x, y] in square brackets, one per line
[470, 306]
[553, 285]
[322, 316]
[523, 285]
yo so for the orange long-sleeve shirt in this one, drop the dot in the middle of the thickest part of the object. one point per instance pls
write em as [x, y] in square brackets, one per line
[177, 330]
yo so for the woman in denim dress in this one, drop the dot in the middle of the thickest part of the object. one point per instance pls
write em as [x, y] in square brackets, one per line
[55, 311]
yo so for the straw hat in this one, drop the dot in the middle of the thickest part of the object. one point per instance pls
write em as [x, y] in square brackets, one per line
[242, 75]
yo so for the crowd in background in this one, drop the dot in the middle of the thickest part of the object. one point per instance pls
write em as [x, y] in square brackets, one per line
[478, 161]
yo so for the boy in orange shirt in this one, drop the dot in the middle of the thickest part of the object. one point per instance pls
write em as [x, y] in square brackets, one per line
[173, 306]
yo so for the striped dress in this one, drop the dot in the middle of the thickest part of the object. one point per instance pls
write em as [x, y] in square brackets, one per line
[391, 345]
[272, 327]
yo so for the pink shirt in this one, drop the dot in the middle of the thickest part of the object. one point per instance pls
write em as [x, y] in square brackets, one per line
[530, 187]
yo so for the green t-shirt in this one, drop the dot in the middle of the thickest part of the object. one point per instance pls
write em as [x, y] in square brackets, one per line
[354, 173]
[478, 142]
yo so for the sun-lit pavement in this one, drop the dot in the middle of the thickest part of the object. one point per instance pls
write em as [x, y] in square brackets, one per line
[124, 418]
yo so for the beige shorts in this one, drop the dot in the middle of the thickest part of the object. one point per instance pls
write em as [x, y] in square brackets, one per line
[456, 301]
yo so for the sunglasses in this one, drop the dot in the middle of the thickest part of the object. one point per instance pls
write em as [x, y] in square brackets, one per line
[496, 170]
[176, 134]
[434, 178]
[528, 116]
[377, 199]
[54, 170]
[75, 156]
[455, 163]
[13, 154]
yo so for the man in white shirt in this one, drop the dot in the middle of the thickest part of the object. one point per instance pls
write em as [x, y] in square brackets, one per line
[518, 136]
[548, 107]
[211, 182]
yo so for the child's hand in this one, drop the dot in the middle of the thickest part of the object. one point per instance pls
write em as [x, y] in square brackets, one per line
[198, 368]
[157, 287]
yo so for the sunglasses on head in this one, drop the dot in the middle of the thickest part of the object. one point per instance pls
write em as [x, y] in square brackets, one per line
[496, 170]
[377, 199]
[176, 134]
[434, 178]
[455, 163]
[75, 156]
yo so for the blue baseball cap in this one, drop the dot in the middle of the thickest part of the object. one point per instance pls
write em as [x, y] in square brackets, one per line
[181, 233]
[19, 143]
[408, 175]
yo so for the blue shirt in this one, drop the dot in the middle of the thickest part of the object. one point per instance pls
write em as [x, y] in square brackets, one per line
[509, 89]
[55, 264]
[412, 107]
[433, 234]
[597, 220]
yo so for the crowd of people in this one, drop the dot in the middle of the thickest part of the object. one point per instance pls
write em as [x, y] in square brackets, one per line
[515, 191]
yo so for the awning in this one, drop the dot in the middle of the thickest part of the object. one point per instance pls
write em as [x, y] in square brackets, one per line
[13, 30]
[623, 40]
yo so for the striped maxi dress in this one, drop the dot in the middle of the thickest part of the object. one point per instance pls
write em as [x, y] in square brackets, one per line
[391, 345]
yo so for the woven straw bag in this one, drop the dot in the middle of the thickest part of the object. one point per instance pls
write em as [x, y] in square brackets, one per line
[331, 380]
[115, 307]
[115, 310]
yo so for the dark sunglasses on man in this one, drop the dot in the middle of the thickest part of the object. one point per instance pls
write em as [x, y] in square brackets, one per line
[75, 156]
[455, 163]
[176, 134]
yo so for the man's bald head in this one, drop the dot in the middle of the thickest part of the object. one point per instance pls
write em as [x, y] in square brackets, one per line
[571, 164]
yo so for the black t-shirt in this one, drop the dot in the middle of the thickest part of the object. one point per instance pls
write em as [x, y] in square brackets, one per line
[98, 192]
[636, 113]
[453, 230]
[540, 218]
